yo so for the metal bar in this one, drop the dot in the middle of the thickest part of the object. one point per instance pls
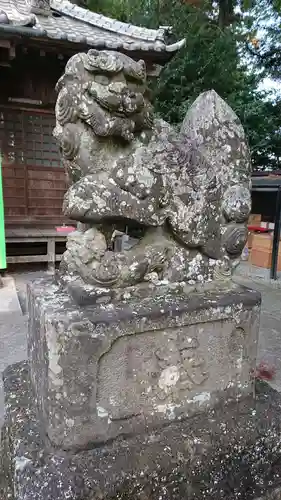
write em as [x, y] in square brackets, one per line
[23, 30]
[266, 174]
[3, 262]
[276, 237]
[265, 190]
[265, 185]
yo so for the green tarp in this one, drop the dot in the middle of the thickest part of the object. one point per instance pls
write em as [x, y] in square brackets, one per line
[3, 263]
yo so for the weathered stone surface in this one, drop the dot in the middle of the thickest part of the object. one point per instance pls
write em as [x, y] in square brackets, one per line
[188, 193]
[114, 369]
[231, 452]
[28, 470]
[41, 7]
[141, 360]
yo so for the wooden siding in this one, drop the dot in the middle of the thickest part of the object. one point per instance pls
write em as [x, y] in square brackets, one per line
[34, 181]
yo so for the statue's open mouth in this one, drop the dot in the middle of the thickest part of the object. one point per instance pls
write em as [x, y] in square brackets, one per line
[120, 105]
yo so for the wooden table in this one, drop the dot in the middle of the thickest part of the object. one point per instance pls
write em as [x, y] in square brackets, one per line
[32, 235]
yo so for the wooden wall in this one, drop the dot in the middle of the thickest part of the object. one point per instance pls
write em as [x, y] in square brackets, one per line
[34, 181]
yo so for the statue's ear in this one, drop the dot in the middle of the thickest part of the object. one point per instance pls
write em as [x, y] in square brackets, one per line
[142, 63]
[63, 81]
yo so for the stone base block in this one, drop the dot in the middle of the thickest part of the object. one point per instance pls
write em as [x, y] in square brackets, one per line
[230, 452]
[121, 368]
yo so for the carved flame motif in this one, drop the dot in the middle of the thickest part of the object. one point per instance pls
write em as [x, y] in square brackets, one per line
[65, 110]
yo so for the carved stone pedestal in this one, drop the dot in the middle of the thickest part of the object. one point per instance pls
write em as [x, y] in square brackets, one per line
[121, 368]
[140, 400]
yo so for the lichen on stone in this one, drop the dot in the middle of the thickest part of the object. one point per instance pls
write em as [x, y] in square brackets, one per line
[186, 194]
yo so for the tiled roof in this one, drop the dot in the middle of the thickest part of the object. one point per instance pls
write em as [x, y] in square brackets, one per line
[69, 22]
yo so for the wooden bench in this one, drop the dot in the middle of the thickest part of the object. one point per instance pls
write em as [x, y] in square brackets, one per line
[48, 236]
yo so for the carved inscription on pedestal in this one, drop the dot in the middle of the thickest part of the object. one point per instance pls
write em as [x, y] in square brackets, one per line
[181, 367]
[144, 370]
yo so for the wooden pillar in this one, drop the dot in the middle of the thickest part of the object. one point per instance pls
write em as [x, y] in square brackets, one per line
[51, 250]
[276, 236]
[3, 263]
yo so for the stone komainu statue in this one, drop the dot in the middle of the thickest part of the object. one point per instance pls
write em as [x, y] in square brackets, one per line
[188, 191]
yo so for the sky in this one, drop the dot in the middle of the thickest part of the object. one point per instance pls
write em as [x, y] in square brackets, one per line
[271, 85]
[267, 21]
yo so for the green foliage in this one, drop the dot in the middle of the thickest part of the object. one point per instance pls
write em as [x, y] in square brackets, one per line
[215, 40]
[267, 51]
[111, 8]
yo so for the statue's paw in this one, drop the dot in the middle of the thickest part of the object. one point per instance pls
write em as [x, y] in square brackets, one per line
[108, 271]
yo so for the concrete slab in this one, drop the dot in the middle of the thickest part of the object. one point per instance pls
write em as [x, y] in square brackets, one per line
[13, 328]
[269, 350]
[21, 279]
[9, 301]
[13, 322]
[259, 274]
